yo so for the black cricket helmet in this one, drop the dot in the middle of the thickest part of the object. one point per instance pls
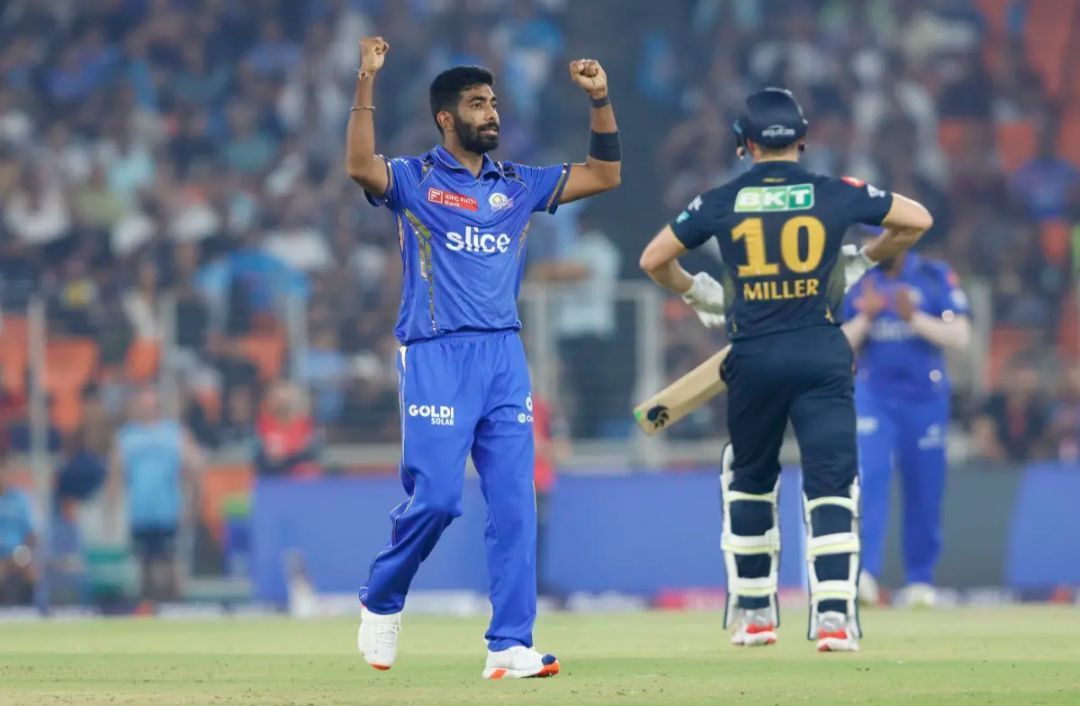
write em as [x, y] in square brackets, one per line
[772, 118]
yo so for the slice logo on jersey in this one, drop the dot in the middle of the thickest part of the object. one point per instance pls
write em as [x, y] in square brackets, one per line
[499, 201]
[891, 330]
[452, 200]
[475, 241]
[440, 415]
[796, 197]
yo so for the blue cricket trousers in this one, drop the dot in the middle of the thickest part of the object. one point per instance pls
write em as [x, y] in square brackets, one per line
[908, 434]
[460, 394]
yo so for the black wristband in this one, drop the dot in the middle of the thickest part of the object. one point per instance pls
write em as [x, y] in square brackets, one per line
[600, 102]
[605, 146]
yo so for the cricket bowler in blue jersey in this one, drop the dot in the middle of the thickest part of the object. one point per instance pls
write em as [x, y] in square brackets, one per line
[462, 223]
[780, 230]
[901, 316]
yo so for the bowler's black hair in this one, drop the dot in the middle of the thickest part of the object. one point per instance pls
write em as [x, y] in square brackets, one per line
[447, 87]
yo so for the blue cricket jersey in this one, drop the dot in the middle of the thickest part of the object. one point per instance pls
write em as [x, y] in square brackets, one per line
[894, 358]
[152, 458]
[15, 521]
[462, 239]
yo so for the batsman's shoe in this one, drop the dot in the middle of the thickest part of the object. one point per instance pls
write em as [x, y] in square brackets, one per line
[869, 592]
[834, 635]
[519, 662]
[755, 628]
[377, 638]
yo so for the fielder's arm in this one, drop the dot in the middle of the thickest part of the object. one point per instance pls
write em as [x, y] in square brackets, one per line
[602, 169]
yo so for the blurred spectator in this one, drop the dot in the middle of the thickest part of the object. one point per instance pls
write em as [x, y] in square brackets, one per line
[325, 372]
[37, 213]
[587, 276]
[551, 449]
[141, 302]
[288, 442]
[1013, 423]
[1048, 186]
[238, 417]
[1064, 432]
[17, 542]
[154, 464]
[299, 243]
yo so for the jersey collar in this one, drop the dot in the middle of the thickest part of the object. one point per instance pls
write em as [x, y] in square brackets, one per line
[774, 165]
[447, 161]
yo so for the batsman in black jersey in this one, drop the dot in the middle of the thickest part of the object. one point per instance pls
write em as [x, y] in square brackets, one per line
[780, 230]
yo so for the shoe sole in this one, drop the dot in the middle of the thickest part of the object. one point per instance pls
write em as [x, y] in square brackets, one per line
[761, 639]
[832, 644]
[548, 670]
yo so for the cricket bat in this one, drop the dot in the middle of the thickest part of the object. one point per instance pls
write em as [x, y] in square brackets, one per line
[683, 396]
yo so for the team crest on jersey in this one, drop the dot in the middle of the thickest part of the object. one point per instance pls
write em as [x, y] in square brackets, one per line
[498, 201]
[449, 198]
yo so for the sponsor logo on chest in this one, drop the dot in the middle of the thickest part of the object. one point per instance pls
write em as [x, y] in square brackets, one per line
[452, 200]
[475, 241]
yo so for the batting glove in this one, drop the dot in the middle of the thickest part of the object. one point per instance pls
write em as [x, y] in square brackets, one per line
[706, 298]
[856, 263]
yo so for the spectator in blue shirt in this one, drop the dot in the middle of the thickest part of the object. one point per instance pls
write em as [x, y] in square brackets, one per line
[17, 571]
[1047, 185]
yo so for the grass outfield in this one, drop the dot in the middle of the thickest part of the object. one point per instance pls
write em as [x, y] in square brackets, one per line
[1026, 655]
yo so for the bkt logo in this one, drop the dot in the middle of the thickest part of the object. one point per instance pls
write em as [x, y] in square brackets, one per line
[440, 415]
[474, 241]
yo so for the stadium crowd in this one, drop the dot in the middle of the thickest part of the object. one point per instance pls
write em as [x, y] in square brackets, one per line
[189, 153]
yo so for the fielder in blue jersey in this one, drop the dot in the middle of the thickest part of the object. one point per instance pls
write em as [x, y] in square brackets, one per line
[462, 223]
[901, 317]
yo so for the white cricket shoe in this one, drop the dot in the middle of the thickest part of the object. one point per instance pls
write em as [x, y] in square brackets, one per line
[834, 635]
[377, 638]
[869, 592]
[755, 628]
[919, 595]
[519, 662]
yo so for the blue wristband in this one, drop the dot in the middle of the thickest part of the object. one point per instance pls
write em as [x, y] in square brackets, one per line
[605, 146]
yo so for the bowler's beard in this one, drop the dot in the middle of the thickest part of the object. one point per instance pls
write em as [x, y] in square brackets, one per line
[472, 140]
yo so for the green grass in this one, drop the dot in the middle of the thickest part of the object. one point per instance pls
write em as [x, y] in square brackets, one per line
[1028, 655]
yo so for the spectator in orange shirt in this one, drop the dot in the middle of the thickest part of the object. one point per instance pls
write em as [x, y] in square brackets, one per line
[288, 440]
[549, 432]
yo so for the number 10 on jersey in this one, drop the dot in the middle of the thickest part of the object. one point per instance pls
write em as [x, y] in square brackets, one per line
[792, 235]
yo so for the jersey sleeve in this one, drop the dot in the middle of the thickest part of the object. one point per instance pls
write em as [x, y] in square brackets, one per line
[544, 185]
[402, 179]
[865, 202]
[698, 222]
